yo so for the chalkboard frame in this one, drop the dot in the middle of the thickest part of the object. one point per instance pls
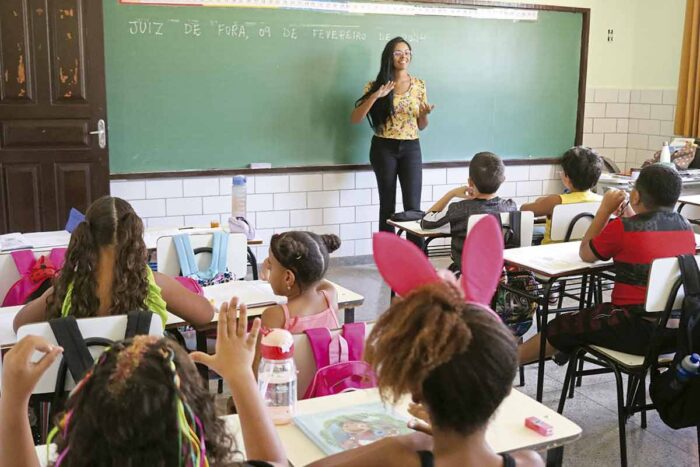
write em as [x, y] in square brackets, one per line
[583, 69]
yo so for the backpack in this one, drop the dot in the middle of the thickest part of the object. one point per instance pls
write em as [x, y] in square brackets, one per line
[76, 353]
[515, 309]
[36, 275]
[679, 405]
[217, 273]
[339, 363]
[241, 225]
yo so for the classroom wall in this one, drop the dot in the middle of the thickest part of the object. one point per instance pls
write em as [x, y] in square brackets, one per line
[630, 103]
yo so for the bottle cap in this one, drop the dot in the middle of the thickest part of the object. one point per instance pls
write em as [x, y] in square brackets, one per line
[238, 180]
[277, 344]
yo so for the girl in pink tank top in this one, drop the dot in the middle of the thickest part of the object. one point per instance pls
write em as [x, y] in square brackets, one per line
[295, 268]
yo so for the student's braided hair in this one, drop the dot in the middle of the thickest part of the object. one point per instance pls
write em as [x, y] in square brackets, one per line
[108, 221]
[306, 254]
[125, 411]
[453, 355]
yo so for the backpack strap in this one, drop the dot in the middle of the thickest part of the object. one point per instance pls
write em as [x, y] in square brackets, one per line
[138, 323]
[689, 274]
[354, 334]
[219, 253]
[185, 255]
[514, 219]
[24, 260]
[337, 350]
[75, 352]
[58, 257]
[320, 340]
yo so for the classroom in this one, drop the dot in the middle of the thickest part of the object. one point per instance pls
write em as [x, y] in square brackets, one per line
[485, 264]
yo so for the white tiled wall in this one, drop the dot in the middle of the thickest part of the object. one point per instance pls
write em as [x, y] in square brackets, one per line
[628, 126]
[625, 125]
[343, 203]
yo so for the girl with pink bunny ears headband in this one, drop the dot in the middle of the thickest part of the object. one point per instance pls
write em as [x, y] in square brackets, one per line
[441, 345]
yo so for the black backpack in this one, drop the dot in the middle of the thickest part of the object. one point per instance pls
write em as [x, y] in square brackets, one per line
[511, 232]
[679, 405]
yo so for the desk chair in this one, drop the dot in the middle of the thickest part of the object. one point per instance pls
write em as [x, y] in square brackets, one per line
[527, 223]
[664, 295]
[236, 256]
[570, 221]
[304, 358]
[98, 334]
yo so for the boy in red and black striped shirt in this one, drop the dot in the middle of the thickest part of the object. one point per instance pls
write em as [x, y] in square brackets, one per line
[647, 229]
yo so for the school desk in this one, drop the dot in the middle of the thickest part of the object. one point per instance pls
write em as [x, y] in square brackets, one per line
[256, 293]
[551, 263]
[428, 235]
[690, 179]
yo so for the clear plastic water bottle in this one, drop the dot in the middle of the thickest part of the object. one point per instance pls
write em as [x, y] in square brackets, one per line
[277, 375]
[665, 157]
[687, 368]
[238, 196]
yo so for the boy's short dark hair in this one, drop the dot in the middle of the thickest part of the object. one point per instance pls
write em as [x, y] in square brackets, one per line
[487, 172]
[659, 186]
[583, 167]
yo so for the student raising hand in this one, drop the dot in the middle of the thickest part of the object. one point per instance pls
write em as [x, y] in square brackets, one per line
[233, 360]
[19, 377]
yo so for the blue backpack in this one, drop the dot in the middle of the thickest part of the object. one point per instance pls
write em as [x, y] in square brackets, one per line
[217, 272]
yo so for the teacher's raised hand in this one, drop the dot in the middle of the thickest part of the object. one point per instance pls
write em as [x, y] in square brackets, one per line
[424, 109]
[384, 89]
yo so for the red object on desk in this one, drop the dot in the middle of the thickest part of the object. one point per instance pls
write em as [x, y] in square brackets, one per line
[535, 424]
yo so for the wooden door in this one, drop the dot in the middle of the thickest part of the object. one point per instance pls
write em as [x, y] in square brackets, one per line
[52, 96]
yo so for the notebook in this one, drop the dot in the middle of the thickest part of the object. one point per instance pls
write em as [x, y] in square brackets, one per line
[350, 427]
[14, 241]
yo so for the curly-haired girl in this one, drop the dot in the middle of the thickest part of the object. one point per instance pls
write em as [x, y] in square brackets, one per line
[105, 273]
[143, 404]
[458, 361]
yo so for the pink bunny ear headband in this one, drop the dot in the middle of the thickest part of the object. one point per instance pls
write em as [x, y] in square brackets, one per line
[405, 267]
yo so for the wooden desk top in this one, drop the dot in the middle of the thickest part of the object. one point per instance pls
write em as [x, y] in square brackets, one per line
[552, 260]
[506, 432]
[253, 292]
[414, 228]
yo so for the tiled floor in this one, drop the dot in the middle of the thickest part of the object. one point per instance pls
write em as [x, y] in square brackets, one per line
[593, 407]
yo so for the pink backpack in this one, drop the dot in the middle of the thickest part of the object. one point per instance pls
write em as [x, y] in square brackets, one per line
[34, 272]
[339, 363]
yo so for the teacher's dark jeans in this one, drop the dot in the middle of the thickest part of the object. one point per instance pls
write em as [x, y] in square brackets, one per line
[391, 158]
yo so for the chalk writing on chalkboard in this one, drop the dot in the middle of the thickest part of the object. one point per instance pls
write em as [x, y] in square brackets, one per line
[358, 7]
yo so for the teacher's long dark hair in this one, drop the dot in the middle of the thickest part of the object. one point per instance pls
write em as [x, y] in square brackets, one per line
[384, 107]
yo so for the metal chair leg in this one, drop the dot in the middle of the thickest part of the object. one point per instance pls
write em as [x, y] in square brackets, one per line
[579, 379]
[521, 370]
[567, 381]
[621, 417]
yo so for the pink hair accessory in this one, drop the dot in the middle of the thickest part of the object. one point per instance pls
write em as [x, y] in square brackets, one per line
[404, 267]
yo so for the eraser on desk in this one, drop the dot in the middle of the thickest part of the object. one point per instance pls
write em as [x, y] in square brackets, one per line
[260, 165]
[535, 424]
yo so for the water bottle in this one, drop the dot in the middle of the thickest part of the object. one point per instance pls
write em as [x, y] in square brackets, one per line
[665, 157]
[277, 375]
[687, 368]
[238, 196]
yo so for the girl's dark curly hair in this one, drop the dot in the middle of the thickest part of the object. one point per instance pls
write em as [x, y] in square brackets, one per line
[383, 108]
[108, 221]
[305, 254]
[454, 355]
[125, 412]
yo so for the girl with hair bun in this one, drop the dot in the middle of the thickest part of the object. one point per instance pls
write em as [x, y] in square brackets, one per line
[295, 268]
[106, 273]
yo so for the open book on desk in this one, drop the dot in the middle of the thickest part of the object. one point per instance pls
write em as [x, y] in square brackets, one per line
[252, 293]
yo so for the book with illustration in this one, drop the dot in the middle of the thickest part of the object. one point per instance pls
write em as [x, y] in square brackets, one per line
[353, 426]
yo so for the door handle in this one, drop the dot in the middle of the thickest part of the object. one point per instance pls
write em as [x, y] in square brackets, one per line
[101, 133]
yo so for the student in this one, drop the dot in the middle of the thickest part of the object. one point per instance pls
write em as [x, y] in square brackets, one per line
[459, 362]
[581, 168]
[105, 273]
[650, 229]
[143, 403]
[295, 268]
[486, 174]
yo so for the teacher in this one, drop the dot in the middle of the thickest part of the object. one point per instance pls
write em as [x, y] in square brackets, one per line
[396, 105]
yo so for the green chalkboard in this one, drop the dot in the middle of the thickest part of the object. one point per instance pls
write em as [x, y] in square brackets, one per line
[218, 88]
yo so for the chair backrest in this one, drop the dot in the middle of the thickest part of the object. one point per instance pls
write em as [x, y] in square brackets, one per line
[304, 358]
[236, 256]
[662, 278]
[572, 220]
[109, 327]
[527, 223]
